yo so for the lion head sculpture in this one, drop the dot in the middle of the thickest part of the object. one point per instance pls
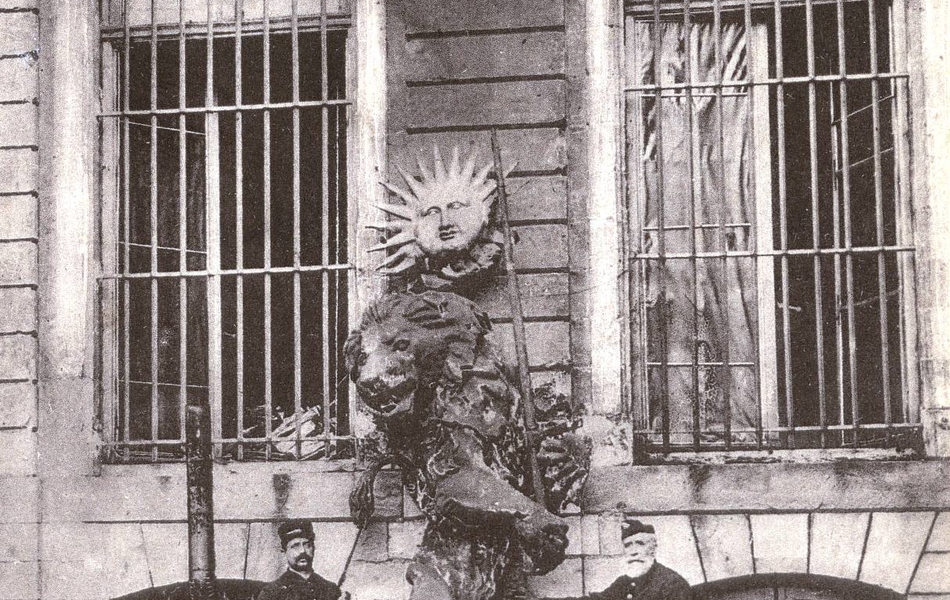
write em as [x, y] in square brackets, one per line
[421, 357]
[406, 343]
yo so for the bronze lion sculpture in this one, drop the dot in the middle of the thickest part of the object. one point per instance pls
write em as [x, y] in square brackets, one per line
[451, 419]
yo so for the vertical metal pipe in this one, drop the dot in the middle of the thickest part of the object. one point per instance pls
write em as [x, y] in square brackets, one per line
[838, 276]
[325, 214]
[905, 234]
[268, 366]
[153, 228]
[342, 116]
[368, 47]
[126, 228]
[783, 213]
[340, 404]
[295, 84]
[726, 369]
[693, 260]
[239, 219]
[517, 318]
[846, 188]
[879, 221]
[895, 65]
[661, 233]
[751, 57]
[182, 222]
[108, 409]
[213, 236]
[639, 268]
[200, 482]
[815, 224]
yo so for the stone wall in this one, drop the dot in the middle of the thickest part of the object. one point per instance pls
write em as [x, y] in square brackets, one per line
[75, 533]
[19, 45]
[125, 529]
[902, 551]
[455, 71]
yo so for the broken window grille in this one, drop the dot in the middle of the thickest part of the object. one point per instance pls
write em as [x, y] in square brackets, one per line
[771, 250]
[224, 226]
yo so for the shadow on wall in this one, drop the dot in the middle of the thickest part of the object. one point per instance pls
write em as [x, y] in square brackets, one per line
[231, 589]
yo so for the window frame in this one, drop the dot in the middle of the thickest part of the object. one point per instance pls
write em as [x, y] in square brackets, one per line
[630, 194]
[365, 147]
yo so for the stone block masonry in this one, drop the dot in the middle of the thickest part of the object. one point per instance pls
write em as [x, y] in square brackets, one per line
[19, 45]
[19, 494]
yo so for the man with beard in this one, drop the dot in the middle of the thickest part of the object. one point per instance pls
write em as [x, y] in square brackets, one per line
[299, 582]
[644, 579]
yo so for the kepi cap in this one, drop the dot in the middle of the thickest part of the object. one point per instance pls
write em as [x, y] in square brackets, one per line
[631, 527]
[296, 528]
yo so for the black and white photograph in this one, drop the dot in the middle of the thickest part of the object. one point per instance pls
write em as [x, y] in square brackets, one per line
[474, 300]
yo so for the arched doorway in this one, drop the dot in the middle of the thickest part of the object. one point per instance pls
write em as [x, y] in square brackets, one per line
[232, 589]
[791, 586]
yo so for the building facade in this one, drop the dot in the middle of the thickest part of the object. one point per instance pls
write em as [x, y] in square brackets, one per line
[730, 225]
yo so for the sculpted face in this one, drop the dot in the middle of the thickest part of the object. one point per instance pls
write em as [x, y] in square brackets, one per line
[405, 342]
[449, 224]
[639, 553]
[441, 214]
[385, 373]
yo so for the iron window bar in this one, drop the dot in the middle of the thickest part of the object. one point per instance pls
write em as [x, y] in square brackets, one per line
[778, 253]
[228, 272]
[201, 110]
[248, 29]
[672, 9]
[243, 440]
[769, 82]
[209, 274]
[838, 234]
[803, 428]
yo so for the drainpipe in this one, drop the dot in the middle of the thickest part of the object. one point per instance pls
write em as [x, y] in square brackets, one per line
[201, 580]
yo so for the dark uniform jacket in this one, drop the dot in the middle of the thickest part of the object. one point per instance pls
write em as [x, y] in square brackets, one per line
[291, 586]
[659, 583]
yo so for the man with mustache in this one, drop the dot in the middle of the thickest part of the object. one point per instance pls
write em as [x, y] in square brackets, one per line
[299, 582]
[644, 579]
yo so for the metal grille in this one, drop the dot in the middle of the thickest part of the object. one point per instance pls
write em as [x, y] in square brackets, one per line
[770, 246]
[224, 226]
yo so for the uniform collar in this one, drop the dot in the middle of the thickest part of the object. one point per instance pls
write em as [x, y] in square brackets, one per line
[638, 581]
[291, 575]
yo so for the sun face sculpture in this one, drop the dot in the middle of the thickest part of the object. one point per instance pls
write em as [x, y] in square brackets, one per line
[442, 225]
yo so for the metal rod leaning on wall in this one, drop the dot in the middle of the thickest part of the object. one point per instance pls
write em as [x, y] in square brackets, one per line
[517, 320]
[349, 559]
[199, 465]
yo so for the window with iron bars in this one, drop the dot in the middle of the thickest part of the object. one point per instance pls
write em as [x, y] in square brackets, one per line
[770, 247]
[224, 226]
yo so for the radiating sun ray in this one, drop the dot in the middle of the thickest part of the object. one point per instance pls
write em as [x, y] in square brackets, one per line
[400, 239]
[396, 210]
[460, 182]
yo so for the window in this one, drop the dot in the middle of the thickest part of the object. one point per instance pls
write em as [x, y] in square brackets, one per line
[772, 251]
[224, 226]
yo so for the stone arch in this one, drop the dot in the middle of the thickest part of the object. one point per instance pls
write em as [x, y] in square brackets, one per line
[233, 589]
[783, 586]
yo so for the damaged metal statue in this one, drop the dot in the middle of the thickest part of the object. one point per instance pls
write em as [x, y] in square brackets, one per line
[450, 413]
